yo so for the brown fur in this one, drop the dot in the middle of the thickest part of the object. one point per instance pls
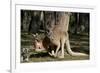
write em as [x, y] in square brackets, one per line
[58, 35]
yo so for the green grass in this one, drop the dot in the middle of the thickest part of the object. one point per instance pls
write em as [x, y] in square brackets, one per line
[49, 59]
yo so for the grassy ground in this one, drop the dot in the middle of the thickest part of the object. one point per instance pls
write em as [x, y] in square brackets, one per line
[48, 58]
[79, 43]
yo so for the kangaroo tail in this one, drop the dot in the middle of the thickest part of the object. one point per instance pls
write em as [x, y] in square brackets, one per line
[71, 52]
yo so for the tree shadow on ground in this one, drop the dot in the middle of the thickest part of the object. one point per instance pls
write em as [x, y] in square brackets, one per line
[38, 55]
[80, 49]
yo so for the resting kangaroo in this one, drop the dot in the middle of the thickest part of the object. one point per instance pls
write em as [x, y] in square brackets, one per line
[43, 45]
[58, 34]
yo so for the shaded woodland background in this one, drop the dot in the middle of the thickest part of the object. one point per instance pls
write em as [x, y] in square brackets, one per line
[33, 22]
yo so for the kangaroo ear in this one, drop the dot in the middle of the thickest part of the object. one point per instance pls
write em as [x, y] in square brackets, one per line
[33, 35]
[36, 34]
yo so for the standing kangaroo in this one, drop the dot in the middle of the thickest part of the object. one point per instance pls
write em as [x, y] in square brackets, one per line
[59, 36]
